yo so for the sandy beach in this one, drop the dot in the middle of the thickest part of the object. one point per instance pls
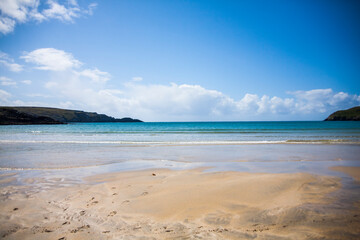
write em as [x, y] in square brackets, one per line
[173, 119]
[183, 204]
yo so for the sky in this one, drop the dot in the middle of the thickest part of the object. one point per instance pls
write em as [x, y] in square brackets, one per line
[182, 60]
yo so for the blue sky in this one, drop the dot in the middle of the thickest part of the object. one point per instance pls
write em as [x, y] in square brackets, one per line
[182, 60]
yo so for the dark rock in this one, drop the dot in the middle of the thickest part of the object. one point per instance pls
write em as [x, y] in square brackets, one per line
[352, 114]
[42, 115]
[11, 116]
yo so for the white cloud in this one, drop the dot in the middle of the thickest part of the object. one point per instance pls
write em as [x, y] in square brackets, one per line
[66, 104]
[9, 63]
[51, 84]
[7, 99]
[185, 102]
[27, 82]
[17, 9]
[62, 13]
[4, 97]
[64, 63]
[91, 8]
[113, 91]
[320, 100]
[137, 79]
[7, 25]
[51, 59]
[95, 75]
[20, 11]
[5, 81]
[38, 95]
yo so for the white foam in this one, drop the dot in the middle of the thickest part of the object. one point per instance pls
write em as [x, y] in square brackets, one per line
[325, 141]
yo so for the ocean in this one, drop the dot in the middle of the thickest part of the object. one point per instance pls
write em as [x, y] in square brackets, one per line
[174, 133]
[76, 150]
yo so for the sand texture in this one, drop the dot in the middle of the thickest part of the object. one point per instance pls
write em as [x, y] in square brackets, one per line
[191, 204]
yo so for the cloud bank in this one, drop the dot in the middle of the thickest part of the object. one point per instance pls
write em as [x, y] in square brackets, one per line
[20, 11]
[73, 86]
[192, 102]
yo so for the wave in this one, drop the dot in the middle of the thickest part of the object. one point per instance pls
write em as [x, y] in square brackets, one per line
[201, 131]
[234, 142]
[50, 168]
[323, 141]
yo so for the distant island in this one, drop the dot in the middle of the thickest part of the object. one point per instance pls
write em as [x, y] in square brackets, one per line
[44, 115]
[351, 114]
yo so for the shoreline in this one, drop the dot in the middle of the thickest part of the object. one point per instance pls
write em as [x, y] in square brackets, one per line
[168, 204]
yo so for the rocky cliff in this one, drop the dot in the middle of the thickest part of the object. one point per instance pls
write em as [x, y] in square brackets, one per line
[42, 115]
[352, 114]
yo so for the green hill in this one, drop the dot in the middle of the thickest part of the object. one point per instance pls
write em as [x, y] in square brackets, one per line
[42, 115]
[352, 114]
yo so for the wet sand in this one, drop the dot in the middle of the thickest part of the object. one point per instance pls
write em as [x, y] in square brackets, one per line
[353, 172]
[182, 204]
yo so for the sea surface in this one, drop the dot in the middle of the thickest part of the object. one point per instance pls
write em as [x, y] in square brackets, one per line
[75, 150]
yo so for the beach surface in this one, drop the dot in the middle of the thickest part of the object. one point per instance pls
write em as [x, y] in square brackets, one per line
[182, 204]
[185, 180]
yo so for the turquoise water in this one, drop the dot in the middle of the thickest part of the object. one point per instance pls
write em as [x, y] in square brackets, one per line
[185, 133]
[73, 151]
